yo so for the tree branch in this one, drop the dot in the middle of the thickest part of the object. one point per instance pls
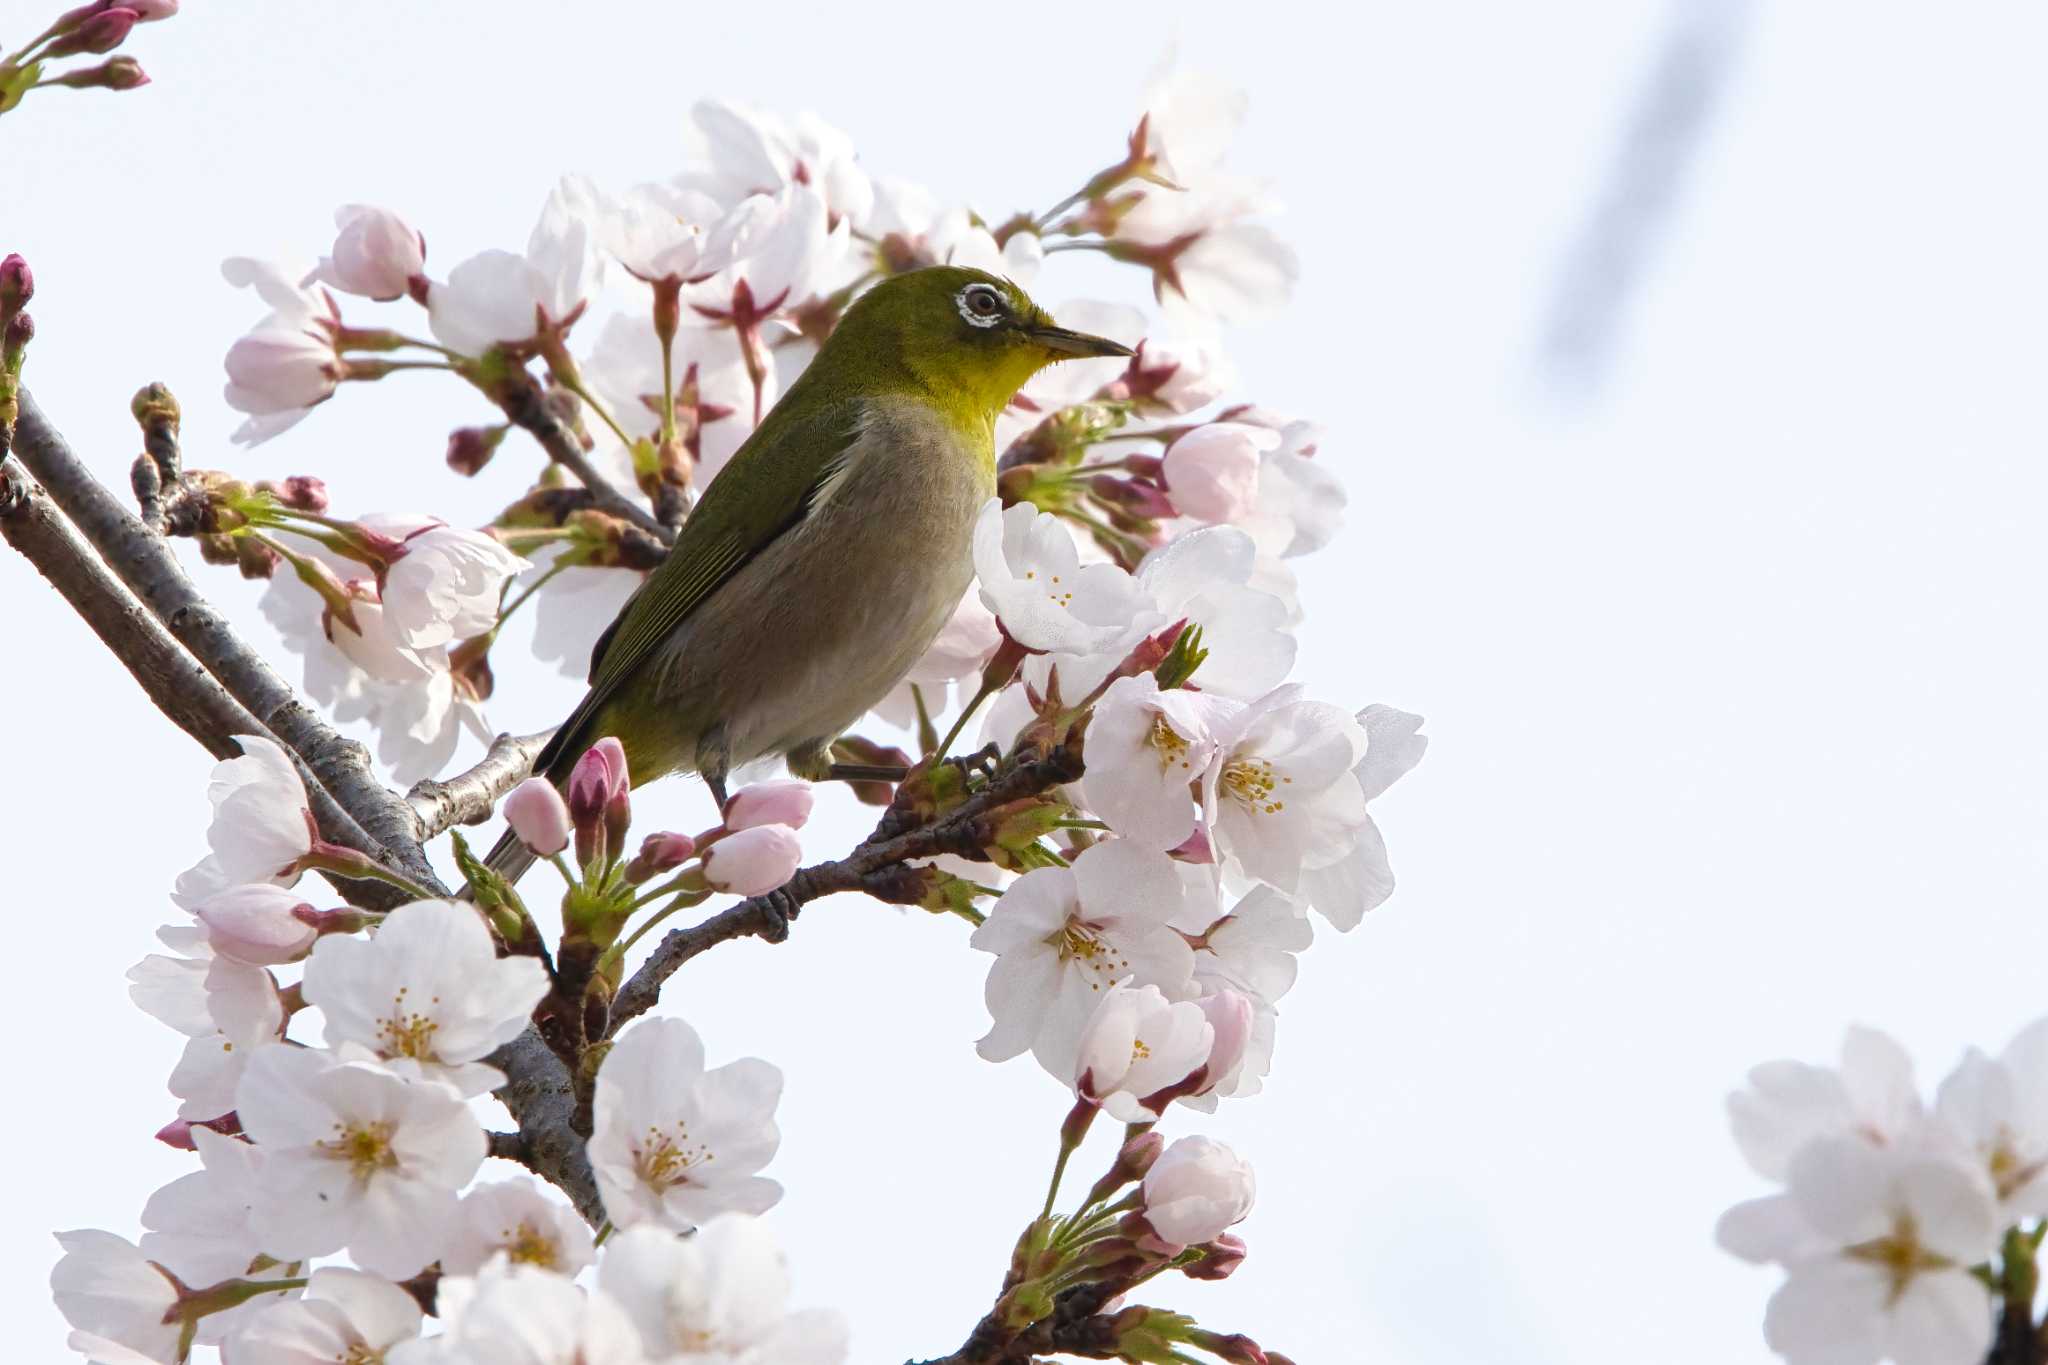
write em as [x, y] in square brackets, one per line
[469, 798]
[877, 867]
[525, 404]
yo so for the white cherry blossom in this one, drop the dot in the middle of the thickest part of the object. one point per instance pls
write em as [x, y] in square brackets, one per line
[288, 363]
[1064, 935]
[573, 610]
[503, 297]
[749, 152]
[1137, 1045]
[427, 987]
[1904, 1231]
[345, 1316]
[1146, 751]
[1196, 1191]
[1191, 118]
[197, 1227]
[446, 585]
[1033, 581]
[720, 1297]
[1212, 473]
[1301, 501]
[227, 1010]
[1280, 794]
[260, 827]
[515, 1314]
[110, 1292]
[1363, 879]
[658, 232]
[1789, 1104]
[257, 923]
[516, 1218]
[360, 1156]
[1205, 577]
[376, 254]
[674, 1144]
[1995, 1109]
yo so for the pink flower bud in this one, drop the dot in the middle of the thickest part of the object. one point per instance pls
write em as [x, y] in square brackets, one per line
[1230, 1014]
[660, 853]
[784, 801]
[17, 283]
[1212, 473]
[471, 448]
[751, 862]
[21, 329]
[101, 32]
[149, 11]
[1221, 1257]
[178, 1132]
[539, 816]
[596, 778]
[375, 253]
[257, 924]
[1196, 1191]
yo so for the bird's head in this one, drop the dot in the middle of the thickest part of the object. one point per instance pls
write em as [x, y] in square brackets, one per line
[965, 336]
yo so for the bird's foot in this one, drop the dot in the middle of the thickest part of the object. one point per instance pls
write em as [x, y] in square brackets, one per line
[777, 909]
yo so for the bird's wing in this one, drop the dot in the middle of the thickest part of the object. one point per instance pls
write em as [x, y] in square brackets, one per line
[768, 486]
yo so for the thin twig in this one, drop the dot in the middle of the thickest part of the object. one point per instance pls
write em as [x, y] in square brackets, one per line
[468, 798]
[878, 867]
[525, 405]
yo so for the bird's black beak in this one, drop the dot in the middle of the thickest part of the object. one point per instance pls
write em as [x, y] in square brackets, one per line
[1069, 343]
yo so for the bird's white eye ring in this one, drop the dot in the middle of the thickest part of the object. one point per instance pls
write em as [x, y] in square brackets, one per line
[980, 304]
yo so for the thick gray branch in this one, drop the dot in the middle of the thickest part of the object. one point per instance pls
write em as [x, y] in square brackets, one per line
[468, 798]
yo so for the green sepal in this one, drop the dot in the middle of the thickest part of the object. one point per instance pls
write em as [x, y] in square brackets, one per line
[16, 82]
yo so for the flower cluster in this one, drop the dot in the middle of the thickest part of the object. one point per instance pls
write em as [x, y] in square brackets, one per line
[358, 1137]
[1904, 1227]
[89, 30]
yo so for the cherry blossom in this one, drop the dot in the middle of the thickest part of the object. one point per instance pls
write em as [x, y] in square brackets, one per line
[446, 585]
[257, 923]
[260, 827]
[1147, 749]
[1139, 1046]
[1191, 118]
[427, 987]
[1280, 794]
[1064, 935]
[1995, 1109]
[674, 1144]
[538, 815]
[345, 1316]
[1212, 473]
[516, 1218]
[107, 1289]
[720, 1296]
[198, 1228]
[1363, 879]
[1905, 1231]
[289, 362]
[503, 297]
[750, 152]
[658, 232]
[1205, 577]
[781, 801]
[1789, 1104]
[713, 397]
[359, 1156]
[1301, 501]
[227, 1010]
[515, 1314]
[1197, 1190]
[753, 861]
[578, 603]
[1032, 579]
[376, 254]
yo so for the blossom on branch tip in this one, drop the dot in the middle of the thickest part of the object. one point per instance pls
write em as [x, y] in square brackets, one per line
[539, 816]
[1788, 1104]
[778, 801]
[509, 1313]
[291, 360]
[1138, 1048]
[1032, 579]
[753, 861]
[427, 988]
[508, 298]
[1147, 750]
[258, 923]
[446, 585]
[345, 1316]
[1280, 794]
[1343, 891]
[674, 1144]
[516, 1218]
[1212, 473]
[105, 1287]
[359, 1156]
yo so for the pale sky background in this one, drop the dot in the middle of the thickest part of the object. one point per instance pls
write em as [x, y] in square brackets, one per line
[1731, 659]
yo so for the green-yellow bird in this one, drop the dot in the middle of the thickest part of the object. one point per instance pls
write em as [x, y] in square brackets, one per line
[821, 562]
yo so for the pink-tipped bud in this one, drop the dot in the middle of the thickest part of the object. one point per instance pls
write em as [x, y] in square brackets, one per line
[102, 32]
[471, 448]
[258, 924]
[1230, 1014]
[598, 804]
[20, 330]
[303, 492]
[752, 862]
[17, 283]
[376, 253]
[539, 816]
[785, 801]
[178, 1132]
[116, 73]
[149, 11]
[1196, 1191]
[660, 853]
[1212, 473]
[1220, 1258]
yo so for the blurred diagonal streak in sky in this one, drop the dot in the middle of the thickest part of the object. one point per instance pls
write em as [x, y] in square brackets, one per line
[1631, 209]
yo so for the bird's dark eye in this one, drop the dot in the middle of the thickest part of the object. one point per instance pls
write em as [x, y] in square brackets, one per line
[981, 304]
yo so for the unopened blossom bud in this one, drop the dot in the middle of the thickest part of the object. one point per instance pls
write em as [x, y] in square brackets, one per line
[115, 73]
[1220, 1259]
[101, 32]
[17, 283]
[1136, 1157]
[376, 254]
[659, 853]
[752, 862]
[1196, 1191]
[258, 924]
[178, 1132]
[20, 330]
[255, 559]
[471, 448]
[784, 801]
[1135, 496]
[1174, 378]
[539, 816]
[1212, 473]
[300, 492]
[149, 11]
[597, 797]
